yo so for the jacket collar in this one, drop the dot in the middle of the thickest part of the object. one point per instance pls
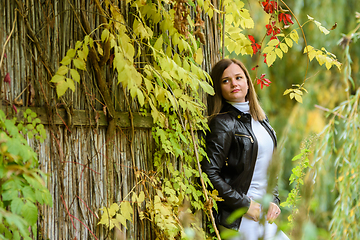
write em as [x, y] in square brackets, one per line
[236, 113]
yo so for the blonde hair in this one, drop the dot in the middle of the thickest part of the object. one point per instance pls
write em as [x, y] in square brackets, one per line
[216, 102]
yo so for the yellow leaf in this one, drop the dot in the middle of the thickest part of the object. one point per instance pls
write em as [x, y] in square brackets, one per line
[284, 47]
[308, 48]
[294, 36]
[268, 49]
[279, 53]
[321, 59]
[199, 56]
[298, 98]
[186, 65]
[206, 87]
[324, 30]
[312, 54]
[177, 59]
[113, 209]
[126, 210]
[100, 50]
[292, 95]
[289, 42]
[270, 58]
[287, 91]
[141, 197]
[121, 220]
[140, 97]
[297, 91]
[273, 42]
[328, 63]
[105, 35]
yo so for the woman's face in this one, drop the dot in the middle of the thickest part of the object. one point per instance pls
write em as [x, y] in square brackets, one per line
[233, 82]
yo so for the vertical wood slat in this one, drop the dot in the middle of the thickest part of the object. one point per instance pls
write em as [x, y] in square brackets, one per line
[82, 167]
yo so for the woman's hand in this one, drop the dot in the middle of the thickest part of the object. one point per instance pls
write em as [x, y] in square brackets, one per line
[253, 211]
[273, 213]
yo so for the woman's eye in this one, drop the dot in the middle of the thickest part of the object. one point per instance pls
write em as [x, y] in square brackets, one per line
[238, 78]
[225, 81]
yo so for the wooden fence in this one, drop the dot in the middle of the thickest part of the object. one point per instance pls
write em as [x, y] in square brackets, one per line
[90, 165]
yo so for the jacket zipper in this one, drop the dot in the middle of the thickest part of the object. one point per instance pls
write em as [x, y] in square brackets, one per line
[243, 135]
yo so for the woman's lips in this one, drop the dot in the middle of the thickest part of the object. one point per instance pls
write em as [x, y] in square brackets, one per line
[235, 91]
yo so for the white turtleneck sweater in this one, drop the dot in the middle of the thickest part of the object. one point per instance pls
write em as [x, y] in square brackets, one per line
[265, 150]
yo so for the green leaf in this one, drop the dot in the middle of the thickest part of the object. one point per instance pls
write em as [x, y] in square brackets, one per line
[30, 212]
[75, 75]
[10, 194]
[158, 44]
[82, 55]
[79, 63]
[78, 45]
[207, 87]
[66, 60]
[62, 70]
[57, 78]
[71, 53]
[70, 83]
[61, 88]
[16, 205]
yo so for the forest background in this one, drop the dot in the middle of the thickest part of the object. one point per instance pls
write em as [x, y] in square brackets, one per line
[329, 196]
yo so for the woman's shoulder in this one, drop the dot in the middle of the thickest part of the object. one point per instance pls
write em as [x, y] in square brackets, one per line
[222, 122]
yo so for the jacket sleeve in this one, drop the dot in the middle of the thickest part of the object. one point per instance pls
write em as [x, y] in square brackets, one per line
[218, 143]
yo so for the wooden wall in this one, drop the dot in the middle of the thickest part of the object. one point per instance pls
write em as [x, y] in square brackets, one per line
[87, 168]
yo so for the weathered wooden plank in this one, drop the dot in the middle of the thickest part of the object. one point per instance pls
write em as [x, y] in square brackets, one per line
[82, 118]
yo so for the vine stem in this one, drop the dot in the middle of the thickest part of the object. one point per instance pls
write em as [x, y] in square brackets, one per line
[202, 180]
[7, 40]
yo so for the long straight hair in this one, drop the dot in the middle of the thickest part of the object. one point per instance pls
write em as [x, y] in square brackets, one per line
[216, 102]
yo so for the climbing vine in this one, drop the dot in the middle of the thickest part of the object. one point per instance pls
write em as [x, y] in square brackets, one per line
[157, 59]
[22, 184]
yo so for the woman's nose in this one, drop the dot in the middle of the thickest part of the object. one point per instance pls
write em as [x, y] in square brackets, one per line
[233, 82]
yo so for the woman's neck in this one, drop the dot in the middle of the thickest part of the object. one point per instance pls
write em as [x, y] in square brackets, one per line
[241, 106]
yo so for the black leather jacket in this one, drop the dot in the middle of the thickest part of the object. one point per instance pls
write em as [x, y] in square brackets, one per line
[232, 150]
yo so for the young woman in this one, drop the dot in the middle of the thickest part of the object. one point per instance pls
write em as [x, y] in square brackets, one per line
[240, 145]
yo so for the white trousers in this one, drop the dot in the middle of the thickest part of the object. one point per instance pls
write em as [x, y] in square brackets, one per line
[251, 230]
